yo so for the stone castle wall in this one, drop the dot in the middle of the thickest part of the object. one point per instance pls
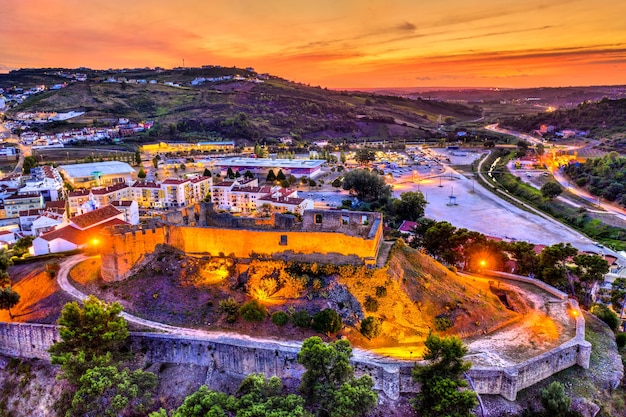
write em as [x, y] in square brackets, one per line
[238, 358]
[344, 237]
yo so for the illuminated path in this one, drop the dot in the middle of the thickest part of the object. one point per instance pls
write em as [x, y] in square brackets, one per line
[216, 336]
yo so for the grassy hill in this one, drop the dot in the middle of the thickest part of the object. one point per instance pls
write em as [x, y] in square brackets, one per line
[604, 120]
[243, 110]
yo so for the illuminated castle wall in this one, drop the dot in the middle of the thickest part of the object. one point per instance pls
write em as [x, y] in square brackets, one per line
[332, 236]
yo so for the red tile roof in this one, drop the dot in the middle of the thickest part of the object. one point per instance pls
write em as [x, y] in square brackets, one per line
[108, 190]
[145, 184]
[89, 219]
[122, 203]
[407, 226]
[77, 236]
[82, 192]
[174, 181]
[55, 204]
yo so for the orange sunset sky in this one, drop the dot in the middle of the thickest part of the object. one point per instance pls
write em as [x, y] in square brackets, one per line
[332, 43]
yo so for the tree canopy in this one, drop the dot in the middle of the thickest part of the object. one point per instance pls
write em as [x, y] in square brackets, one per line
[551, 190]
[443, 391]
[366, 185]
[410, 206]
[328, 385]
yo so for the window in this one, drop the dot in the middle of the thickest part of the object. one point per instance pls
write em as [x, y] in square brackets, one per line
[364, 220]
[318, 219]
[345, 219]
[283, 240]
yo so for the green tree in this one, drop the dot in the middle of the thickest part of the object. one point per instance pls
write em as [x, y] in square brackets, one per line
[107, 391]
[30, 162]
[248, 174]
[137, 157]
[206, 173]
[336, 183]
[366, 185]
[590, 269]
[370, 327]
[606, 315]
[327, 321]
[554, 400]
[328, 385]
[259, 151]
[618, 294]
[155, 162]
[280, 176]
[229, 173]
[5, 263]
[141, 174]
[551, 267]
[261, 397]
[551, 190]
[342, 158]
[91, 336]
[22, 245]
[410, 206]
[253, 310]
[443, 391]
[205, 403]
[271, 177]
[183, 167]
[365, 156]
[525, 257]
[8, 299]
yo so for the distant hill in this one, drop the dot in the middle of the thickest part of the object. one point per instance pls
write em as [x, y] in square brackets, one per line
[267, 109]
[604, 119]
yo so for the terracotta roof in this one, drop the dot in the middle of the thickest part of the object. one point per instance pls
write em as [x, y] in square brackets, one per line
[407, 226]
[122, 203]
[55, 204]
[20, 196]
[89, 219]
[282, 200]
[199, 179]
[224, 184]
[174, 181]
[5, 232]
[83, 192]
[145, 184]
[77, 236]
[110, 189]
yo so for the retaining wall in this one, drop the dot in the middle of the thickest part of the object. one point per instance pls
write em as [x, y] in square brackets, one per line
[239, 358]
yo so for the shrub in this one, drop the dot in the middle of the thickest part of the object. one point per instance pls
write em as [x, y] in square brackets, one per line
[230, 307]
[381, 291]
[327, 321]
[442, 323]
[603, 313]
[253, 311]
[620, 339]
[371, 304]
[280, 318]
[370, 327]
[301, 319]
[555, 400]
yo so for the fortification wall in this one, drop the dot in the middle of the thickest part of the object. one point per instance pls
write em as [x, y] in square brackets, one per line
[243, 243]
[238, 358]
[121, 251]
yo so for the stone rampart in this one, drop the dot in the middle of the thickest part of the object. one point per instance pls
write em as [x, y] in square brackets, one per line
[354, 236]
[240, 357]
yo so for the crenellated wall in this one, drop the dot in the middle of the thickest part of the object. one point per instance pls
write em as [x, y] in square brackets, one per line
[354, 236]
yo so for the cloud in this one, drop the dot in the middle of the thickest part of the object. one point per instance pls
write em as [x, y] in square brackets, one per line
[406, 27]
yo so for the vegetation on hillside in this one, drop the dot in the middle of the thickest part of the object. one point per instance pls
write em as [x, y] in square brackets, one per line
[245, 111]
[603, 177]
[602, 119]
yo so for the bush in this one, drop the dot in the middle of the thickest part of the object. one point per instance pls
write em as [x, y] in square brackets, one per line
[381, 292]
[370, 327]
[555, 400]
[280, 318]
[327, 321]
[230, 307]
[442, 323]
[253, 311]
[620, 339]
[371, 304]
[603, 313]
[301, 319]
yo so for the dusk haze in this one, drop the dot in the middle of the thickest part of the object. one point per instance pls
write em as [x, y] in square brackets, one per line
[334, 44]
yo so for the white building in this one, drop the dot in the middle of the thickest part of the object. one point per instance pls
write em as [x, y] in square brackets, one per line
[130, 210]
[98, 174]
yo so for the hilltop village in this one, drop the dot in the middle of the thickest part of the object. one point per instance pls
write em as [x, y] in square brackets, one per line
[376, 221]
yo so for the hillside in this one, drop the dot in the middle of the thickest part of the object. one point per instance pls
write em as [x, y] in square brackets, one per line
[241, 110]
[604, 120]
